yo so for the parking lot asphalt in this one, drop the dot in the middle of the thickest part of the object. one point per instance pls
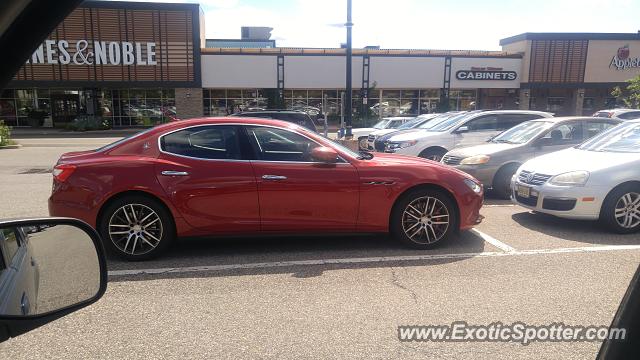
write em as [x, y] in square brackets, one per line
[331, 297]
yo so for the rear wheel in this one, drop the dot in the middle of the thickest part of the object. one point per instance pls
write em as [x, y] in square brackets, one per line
[423, 218]
[621, 209]
[434, 154]
[502, 181]
[136, 228]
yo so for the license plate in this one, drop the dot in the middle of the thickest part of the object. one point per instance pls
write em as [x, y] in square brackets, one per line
[523, 191]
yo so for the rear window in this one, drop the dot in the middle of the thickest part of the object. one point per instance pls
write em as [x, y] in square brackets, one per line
[204, 142]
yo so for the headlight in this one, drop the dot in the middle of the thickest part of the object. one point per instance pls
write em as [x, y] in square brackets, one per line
[476, 160]
[573, 178]
[474, 186]
[400, 144]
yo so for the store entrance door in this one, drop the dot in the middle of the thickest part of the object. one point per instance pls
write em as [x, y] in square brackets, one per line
[64, 108]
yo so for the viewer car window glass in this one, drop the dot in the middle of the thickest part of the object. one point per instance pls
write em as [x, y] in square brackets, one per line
[204, 142]
[10, 245]
[273, 144]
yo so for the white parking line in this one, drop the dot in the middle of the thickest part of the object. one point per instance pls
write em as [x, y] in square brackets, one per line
[369, 260]
[493, 241]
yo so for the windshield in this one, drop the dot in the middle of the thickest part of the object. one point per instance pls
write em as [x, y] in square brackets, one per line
[522, 133]
[435, 121]
[382, 124]
[446, 123]
[624, 138]
[411, 123]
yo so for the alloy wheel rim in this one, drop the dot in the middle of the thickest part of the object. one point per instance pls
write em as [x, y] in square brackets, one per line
[627, 211]
[135, 229]
[425, 220]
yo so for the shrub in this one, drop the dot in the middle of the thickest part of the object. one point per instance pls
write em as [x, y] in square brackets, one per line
[5, 134]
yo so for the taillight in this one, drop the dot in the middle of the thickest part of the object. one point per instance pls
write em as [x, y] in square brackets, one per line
[62, 172]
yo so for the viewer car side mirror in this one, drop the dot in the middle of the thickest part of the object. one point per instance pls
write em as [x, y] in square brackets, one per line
[52, 267]
[462, 129]
[324, 154]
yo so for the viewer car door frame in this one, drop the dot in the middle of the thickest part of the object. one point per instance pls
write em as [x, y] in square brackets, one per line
[305, 195]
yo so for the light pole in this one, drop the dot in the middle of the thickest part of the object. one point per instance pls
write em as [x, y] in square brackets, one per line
[348, 104]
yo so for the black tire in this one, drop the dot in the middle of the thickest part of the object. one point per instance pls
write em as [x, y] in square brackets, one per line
[615, 199]
[438, 234]
[162, 229]
[502, 181]
[434, 154]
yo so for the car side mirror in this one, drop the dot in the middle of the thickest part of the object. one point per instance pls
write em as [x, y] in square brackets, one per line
[462, 129]
[324, 154]
[55, 266]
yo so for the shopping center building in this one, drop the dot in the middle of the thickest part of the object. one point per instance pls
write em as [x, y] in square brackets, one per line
[139, 64]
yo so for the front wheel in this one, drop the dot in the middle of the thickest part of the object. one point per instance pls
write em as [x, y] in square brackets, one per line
[502, 181]
[621, 209]
[136, 228]
[433, 154]
[424, 218]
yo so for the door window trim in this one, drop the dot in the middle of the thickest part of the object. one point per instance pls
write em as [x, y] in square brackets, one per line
[341, 159]
[159, 143]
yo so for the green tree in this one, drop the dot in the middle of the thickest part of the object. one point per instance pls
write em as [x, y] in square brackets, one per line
[629, 95]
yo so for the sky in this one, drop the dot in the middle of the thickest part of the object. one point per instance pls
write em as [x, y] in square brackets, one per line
[415, 24]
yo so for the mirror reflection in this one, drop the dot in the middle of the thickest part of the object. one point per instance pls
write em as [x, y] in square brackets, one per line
[45, 268]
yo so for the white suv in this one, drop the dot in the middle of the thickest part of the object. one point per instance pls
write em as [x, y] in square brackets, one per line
[623, 114]
[361, 134]
[467, 129]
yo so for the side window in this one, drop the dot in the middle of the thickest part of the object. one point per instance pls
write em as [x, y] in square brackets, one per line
[9, 242]
[568, 133]
[273, 144]
[630, 115]
[592, 128]
[204, 142]
[483, 123]
[507, 121]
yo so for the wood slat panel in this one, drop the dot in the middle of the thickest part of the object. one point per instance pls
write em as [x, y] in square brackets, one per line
[558, 61]
[170, 30]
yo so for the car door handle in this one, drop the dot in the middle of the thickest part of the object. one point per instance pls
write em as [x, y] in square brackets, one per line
[174, 173]
[274, 177]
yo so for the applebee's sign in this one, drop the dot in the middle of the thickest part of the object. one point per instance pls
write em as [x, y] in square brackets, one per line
[622, 60]
[102, 53]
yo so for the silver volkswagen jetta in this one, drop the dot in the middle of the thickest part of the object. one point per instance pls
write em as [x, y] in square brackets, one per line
[495, 162]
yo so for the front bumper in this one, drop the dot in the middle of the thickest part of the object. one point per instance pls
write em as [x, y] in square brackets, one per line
[483, 173]
[570, 202]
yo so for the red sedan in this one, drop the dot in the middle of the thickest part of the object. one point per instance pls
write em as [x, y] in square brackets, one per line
[254, 176]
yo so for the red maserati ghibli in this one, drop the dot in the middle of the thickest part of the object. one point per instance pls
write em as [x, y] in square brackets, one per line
[222, 176]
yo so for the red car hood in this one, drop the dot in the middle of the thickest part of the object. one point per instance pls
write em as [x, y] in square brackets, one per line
[386, 159]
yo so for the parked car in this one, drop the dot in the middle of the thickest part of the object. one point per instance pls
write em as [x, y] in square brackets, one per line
[472, 128]
[294, 116]
[380, 142]
[361, 134]
[495, 162]
[624, 114]
[19, 273]
[599, 179]
[142, 192]
[413, 123]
